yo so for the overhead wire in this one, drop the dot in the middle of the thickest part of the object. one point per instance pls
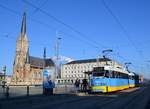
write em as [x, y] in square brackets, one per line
[44, 24]
[48, 26]
[37, 9]
[123, 28]
[63, 23]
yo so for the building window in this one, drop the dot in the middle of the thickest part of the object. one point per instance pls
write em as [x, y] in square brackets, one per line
[39, 75]
[72, 81]
[78, 75]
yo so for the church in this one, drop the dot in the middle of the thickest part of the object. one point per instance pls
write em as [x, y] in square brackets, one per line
[28, 69]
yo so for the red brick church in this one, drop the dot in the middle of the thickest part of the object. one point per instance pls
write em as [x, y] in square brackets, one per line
[28, 69]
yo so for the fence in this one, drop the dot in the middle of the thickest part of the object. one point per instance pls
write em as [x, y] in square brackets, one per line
[13, 91]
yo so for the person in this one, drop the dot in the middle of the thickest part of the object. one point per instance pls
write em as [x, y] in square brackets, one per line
[48, 86]
[84, 84]
[77, 84]
[51, 86]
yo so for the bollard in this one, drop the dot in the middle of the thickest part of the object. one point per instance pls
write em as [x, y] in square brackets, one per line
[27, 90]
[44, 91]
[7, 92]
[3, 87]
[66, 89]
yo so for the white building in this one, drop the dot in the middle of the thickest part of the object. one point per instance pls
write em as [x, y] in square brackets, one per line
[76, 69]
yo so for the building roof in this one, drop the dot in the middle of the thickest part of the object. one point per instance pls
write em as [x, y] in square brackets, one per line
[39, 62]
[89, 61]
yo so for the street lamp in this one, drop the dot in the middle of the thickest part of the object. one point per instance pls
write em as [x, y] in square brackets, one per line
[4, 70]
[57, 56]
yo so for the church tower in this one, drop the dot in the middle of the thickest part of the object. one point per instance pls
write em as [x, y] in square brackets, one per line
[22, 55]
[28, 69]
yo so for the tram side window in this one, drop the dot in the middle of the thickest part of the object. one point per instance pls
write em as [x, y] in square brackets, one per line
[107, 74]
[98, 74]
[117, 74]
[126, 76]
[123, 76]
[110, 74]
[113, 74]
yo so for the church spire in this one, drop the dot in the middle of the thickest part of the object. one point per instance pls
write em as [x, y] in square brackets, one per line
[23, 27]
[44, 55]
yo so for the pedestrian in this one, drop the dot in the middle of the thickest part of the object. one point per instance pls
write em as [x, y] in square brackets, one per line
[77, 84]
[84, 84]
[51, 86]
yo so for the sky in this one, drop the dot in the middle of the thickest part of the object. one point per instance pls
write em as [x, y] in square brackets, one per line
[86, 28]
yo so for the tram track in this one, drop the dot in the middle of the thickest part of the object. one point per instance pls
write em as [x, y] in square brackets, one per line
[121, 102]
[134, 101]
[73, 104]
[90, 102]
[102, 101]
[95, 102]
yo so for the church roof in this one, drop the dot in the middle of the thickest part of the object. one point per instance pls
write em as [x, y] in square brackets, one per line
[39, 62]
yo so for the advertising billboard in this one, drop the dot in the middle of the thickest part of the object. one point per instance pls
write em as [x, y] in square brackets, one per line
[48, 78]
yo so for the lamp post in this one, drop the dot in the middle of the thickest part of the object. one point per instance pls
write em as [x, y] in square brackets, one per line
[57, 56]
[4, 70]
[44, 64]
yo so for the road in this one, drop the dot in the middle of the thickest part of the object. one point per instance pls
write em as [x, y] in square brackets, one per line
[137, 98]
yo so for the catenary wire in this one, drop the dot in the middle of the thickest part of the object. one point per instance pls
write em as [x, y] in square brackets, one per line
[48, 26]
[63, 23]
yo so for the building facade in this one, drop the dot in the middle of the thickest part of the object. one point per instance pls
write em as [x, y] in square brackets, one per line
[77, 69]
[28, 69]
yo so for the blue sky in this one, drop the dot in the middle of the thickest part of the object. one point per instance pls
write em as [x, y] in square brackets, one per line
[89, 17]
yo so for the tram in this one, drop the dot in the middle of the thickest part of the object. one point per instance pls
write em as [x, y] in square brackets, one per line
[109, 79]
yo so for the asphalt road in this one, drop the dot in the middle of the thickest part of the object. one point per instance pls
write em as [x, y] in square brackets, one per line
[137, 98]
